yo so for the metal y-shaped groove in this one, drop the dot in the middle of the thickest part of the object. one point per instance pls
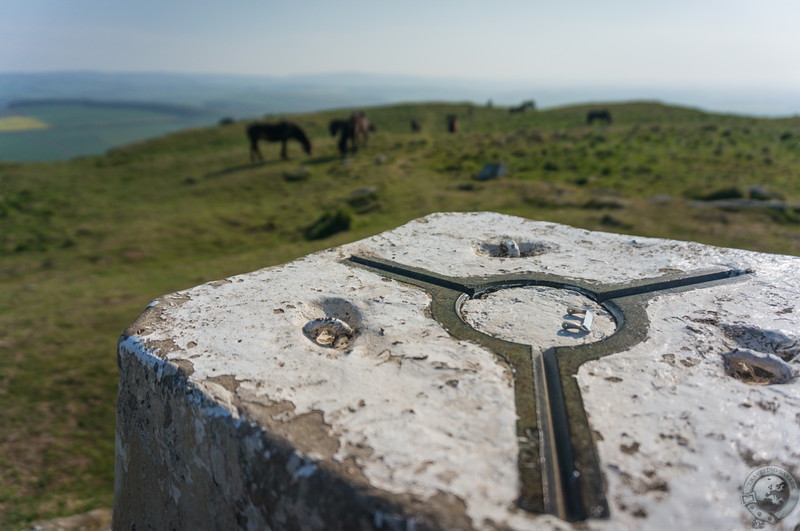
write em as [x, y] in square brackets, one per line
[559, 469]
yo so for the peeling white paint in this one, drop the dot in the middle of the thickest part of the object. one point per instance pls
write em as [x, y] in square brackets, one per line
[677, 437]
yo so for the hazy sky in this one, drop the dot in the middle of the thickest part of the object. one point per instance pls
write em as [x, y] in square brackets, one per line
[681, 42]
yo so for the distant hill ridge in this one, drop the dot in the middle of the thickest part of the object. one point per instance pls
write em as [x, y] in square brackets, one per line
[167, 108]
[258, 94]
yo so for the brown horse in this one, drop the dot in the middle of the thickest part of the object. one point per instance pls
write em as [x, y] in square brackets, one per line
[452, 123]
[354, 130]
[278, 132]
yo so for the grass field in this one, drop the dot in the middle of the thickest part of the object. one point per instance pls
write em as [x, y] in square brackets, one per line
[86, 244]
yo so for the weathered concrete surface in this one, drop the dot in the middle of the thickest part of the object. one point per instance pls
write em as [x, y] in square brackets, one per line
[231, 416]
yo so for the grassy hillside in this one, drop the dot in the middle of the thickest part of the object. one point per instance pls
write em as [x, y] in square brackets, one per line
[86, 244]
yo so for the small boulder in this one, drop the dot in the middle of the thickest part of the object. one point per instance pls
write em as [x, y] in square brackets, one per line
[300, 174]
[492, 170]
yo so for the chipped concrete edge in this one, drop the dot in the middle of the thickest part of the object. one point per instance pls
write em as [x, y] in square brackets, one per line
[285, 485]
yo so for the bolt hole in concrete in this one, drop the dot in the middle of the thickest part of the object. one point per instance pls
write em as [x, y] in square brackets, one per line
[338, 327]
[328, 332]
[757, 368]
[764, 357]
[508, 247]
[535, 315]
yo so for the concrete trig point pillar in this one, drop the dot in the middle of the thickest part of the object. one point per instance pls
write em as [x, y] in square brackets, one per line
[468, 371]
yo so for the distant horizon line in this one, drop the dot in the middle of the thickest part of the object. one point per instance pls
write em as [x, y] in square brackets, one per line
[545, 83]
[382, 88]
[22, 102]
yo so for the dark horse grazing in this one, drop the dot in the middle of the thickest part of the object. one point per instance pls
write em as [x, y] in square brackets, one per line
[355, 130]
[601, 115]
[524, 106]
[279, 132]
[342, 128]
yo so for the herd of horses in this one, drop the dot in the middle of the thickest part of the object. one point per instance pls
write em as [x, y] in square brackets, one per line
[354, 131]
[353, 134]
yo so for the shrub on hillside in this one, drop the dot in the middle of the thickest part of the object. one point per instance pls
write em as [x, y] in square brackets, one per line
[329, 224]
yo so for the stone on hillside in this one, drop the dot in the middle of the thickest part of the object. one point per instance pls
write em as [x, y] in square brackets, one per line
[95, 520]
[492, 170]
[299, 174]
[761, 193]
